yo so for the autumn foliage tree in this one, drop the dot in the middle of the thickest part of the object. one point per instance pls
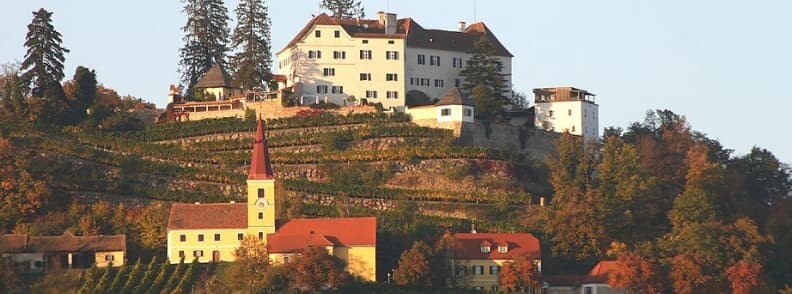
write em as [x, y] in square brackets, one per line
[635, 274]
[316, 269]
[252, 263]
[22, 194]
[414, 266]
[522, 273]
[744, 277]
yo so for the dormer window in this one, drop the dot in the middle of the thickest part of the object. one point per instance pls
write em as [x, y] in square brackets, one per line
[503, 248]
[485, 249]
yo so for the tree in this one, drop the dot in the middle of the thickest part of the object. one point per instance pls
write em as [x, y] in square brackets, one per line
[152, 226]
[315, 269]
[744, 277]
[635, 274]
[83, 92]
[414, 267]
[205, 39]
[344, 8]
[765, 179]
[484, 69]
[521, 273]
[697, 204]
[10, 279]
[251, 65]
[252, 262]
[23, 195]
[43, 64]
[688, 276]
[487, 108]
[12, 102]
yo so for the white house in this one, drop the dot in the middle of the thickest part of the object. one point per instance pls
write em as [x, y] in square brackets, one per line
[451, 112]
[567, 109]
[380, 60]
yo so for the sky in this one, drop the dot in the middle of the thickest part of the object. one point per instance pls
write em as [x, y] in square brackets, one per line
[724, 64]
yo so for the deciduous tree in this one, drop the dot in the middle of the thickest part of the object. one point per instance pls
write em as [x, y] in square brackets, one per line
[635, 274]
[414, 267]
[521, 273]
[744, 277]
[252, 263]
[315, 269]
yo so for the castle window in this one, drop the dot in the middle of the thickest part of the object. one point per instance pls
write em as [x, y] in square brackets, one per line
[573, 128]
[240, 236]
[365, 41]
[261, 193]
[391, 77]
[328, 71]
[321, 89]
[391, 42]
[392, 55]
[434, 60]
[570, 112]
[217, 237]
[468, 112]
[371, 94]
[200, 237]
[439, 83]
[445, 112]
[261, 235]
[315, 54]
[260, 215]
[182, 238]
[198, 253]
[337, 89]
[337, 34]
[421, 59]
[365, 54]
[318, 33]
[339, 54]
[457, 83]
[392, 95]
[365, 76]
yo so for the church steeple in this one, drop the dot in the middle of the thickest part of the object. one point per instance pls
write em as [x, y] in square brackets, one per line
[260, 167]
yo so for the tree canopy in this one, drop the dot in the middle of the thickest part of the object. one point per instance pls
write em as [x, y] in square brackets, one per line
[205, 39]
[344, 8]
[252, 61]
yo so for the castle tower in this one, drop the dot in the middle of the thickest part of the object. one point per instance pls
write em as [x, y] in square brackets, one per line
[567, 110]
[261, 188]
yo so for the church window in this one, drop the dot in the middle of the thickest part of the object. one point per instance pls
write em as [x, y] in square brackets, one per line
[240, 236]
[261, 235]
[200, 237]
[261, 193]
[217, 237]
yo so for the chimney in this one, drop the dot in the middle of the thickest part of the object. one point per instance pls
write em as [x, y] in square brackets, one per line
[381, 17]
[473, 228]
[390, 23]
[462, 26]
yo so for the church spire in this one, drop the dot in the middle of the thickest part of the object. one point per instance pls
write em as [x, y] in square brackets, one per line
[260, 167]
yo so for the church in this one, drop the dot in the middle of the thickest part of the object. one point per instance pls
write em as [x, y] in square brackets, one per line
[211, 232]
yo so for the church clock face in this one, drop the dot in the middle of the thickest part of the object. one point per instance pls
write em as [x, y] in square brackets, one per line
[262, 203]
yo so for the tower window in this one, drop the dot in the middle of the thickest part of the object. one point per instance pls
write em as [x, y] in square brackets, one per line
[260, 215]
[261, 193]
[261, 235]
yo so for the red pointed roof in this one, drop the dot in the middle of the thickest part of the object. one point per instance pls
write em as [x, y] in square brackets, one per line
[260, 167]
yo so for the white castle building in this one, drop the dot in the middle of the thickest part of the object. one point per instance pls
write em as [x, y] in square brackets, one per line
[567, 109]
[386, 60]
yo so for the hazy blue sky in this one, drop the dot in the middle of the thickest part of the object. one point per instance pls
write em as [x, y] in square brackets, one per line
[726, 65]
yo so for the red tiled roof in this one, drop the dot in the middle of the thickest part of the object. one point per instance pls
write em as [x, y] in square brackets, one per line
[601, 271]
[409, 29]
[359, 231]
[63, 243]
[280, 243]
[260, 167]
[13, 242]
[468, 245]
[207, 216]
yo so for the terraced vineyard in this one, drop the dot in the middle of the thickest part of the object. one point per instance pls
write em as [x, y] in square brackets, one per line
[378, 157]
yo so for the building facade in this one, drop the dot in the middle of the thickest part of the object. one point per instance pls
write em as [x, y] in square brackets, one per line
[567, 110]
[213, 232]
[477, 258]
[380, 60]
[33, 254]
[451, 112]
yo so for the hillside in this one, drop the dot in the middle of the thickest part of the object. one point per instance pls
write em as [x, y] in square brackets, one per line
[373, 161]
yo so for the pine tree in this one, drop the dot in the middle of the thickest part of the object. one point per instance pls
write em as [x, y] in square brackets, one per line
[145, 282]
[344, 8]
[484, 69]
[45, 56]
[205, 39]
[131, 278]
[156, 286]
[84, 93]
[252, 63]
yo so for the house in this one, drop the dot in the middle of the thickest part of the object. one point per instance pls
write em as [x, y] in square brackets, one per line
[477, 258]
[35, 254]
[381, 60]
[215, 85]
[595, 282]
[450, 112]
[212, 232]
[567, 109]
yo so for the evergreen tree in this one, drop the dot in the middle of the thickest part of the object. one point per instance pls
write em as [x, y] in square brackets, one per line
[145, 282]
[344, 8]
[205, 39]
[84, 93]
[483, 68]
[252, 63]
[45, 56]
[13, 100]
[132, 278]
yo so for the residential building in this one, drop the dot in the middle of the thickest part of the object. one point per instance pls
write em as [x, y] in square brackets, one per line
[215, 85]
[567, 110]
[212, 232]
[477, 258]
[35, 254]
[595, 282]
[451, 112]
[382, 60]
